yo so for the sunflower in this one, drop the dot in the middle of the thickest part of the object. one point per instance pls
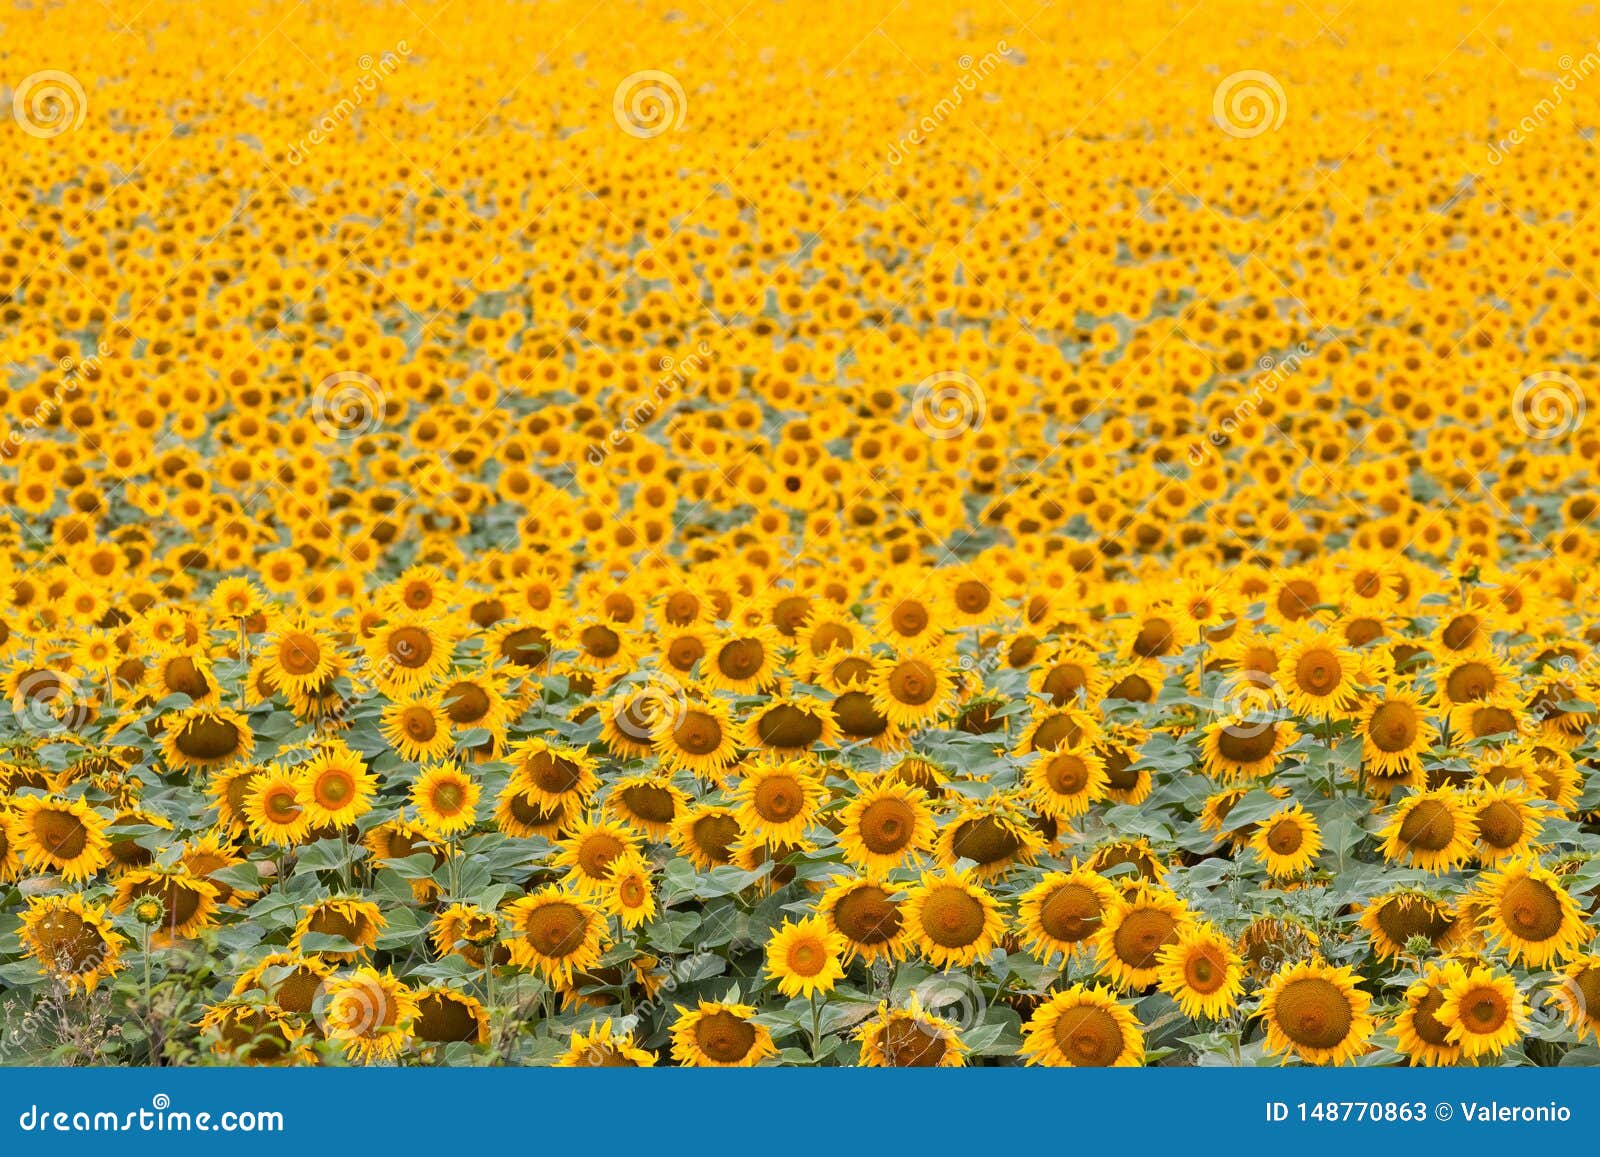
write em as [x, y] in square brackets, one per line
[791, 724]
[707, 835]
[952, 920]
[188, 902]
[698, 738]
[1393, 919]
[1484, 1012]
[182, 670]
[1288, 841]
[1420, 1036]
[475, 703]
[352, 919]
[65, 836]
[1394, 731]
[446, 799]
[1317, 676]
[417, 727]
[649, 803]
[517, 813]
[600, 1048]
[1507, 820]
[213, 852]
[297, 658]
[994, 836]
[588, 851]
[868, 916]
[1134, 930]
[409, 654]
[1069, 675]
[292, 982]
[1476, 678]
[274, 807]
[251, 1033]
[909, 1038]
[10, 860]
[336, 788]
[1063, 912]
[370, 1013]
[1316, 1012]
[72, 940]
[206, 737]
[913, 690]
[720, 1035]
[779, 802]
[1430, 830]
[1069, 728]
[1529, 914]
[1062, 784]
[444, 1015]
[743, 661]
[884, 825]
[1202, 972]
[630, 894]
[1578, 995]
[555, 933]
[1083, 1027]
[552, 775]
[804, 957]
[1245, 746]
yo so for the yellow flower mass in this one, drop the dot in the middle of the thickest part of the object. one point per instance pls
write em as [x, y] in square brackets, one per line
[624, 535]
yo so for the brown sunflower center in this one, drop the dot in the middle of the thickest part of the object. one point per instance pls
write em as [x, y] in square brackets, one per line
[441, 1018]
[779, 798]
[1425, 1020]
[1063, 682]
[1247, 744]
[1485, 1009]
[908, 1045]
[986, 840]
[741, 659]
[419, 724]
[649, 803]
[913, 682]
[857, 717]
[299, 654]
[787, 726]
[1141, 935]
[1318, 672]
[1470, 682]
[887, 825]
[556, 929]
[1067, 774]
[714, 836]
[972, 596]
[1204, 974]
[697, 733]
[1394, 727]
[1430, 825]
[724, 1037]
[466, 703]
[1285, 837]
[1088, 1036]
[411, 647]
[952, 917]
[1500, 824]
[1314, 1013]
[600, 641]
[60, 833]
[867, 915]
[1531, 909]
[1071, 914]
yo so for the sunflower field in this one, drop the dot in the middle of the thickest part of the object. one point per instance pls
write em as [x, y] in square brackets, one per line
[957, 534]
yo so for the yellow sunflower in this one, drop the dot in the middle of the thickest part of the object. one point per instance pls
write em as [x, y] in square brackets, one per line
[1392, 919]
[1430, 830]
[1202, 972]
[649, 802]
[71, 939]
[65, 836]
[699, 738]
[913, 690]
[1420, 1036]
[1484, 1011]
[1315, 1011]
[1063, 912]
[1062, 784]
[909, 1038]
[555, 933]
[720, 1035]
[188, 903]
[630, 893]
[868, 916]
[446, 799]
[275, 809]
[445, 1015]
[1534, 920]
[588, 851]
[1083, 1027]
[335, 787]
[952, 920]
[1395, 731]
[779, 802]
[417, 727]
[884, 825]
[1134, 930]
[370, 1013]
[353, 919]
[1245, 746]
[804, 957]
[1288, 842]
[207, 737]
[600, 1048]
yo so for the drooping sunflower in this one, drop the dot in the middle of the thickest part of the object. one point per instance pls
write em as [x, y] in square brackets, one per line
[446, 799]
[588, 851]
[1083, 1027]
[288, 980]
[804, 957]
[1484, 1011]
[707, 835]
[1578, 995]
[1063, 911]
[909, 1038]
[868, 916]
[953, 920]
[336, 788]
[1316, 1012]
[207, 737]
[1507, 821]
[720, 1035]
[1063, 784]
[994, 835]
[468, 931]
[71, 939]
[1288, 842]
[601, 1048]
[1420, 1036]
[1202, 972]
[1245, 746]
[1134, 930]
[519, 814]
[1395, 731]
[791, 725]
[1395, 917]
[778, 802]
[188, 902]
[274, 807]
[884, 825]
[554, 776]
[253, 1033]
[370, 1013]
[913, 690]
[555, 933]
[445, 1014]
[1430, 830]
[649, 803]
[417, 727]
[65, 836]
[353, 919]
[1533, 919]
